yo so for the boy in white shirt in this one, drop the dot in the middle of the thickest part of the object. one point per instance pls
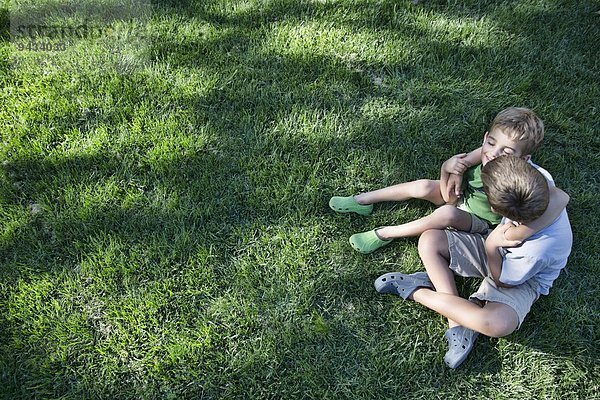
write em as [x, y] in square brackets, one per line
[514, 273]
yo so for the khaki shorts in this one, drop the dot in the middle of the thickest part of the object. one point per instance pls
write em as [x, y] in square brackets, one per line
[468, 259]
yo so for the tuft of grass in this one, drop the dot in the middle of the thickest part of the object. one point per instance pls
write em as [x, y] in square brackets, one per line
[164, 229]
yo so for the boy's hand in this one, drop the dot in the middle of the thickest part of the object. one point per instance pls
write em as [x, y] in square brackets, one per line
[454, 186]
[497, 239]
[456, 164]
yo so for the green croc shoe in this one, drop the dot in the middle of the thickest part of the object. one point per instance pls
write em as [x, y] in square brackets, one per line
[349, 204]
[367, 242]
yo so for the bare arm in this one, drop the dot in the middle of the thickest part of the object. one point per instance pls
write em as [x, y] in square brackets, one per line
[493, 243]
[474, 157]
[557, 202]
[452, 171]
[447, 195]
[451, 188]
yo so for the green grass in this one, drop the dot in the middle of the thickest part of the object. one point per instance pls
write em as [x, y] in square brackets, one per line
[164, 229]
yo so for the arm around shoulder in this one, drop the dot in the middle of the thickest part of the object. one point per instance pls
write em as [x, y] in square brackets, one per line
[474, 157]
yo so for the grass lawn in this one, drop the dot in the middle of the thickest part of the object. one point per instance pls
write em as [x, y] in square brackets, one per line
[164, 179]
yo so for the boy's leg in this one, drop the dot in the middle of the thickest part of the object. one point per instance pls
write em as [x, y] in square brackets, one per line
[465, 318]
[441, 218]
[425, 189]
[494, 319]
[362, 204]
[434, 252]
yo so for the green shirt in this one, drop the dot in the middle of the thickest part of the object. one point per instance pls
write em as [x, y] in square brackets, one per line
[475, 198]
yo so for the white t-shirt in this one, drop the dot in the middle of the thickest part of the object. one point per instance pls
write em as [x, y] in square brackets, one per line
[542, 256]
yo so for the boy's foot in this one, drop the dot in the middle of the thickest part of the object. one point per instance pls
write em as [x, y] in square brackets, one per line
[349, 204]
[367, 242]
[460, 343]
[402, 284]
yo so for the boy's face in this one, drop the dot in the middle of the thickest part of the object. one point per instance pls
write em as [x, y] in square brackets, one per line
[496, 144]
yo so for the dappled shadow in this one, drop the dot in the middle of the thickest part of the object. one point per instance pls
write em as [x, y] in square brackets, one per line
[266, 158]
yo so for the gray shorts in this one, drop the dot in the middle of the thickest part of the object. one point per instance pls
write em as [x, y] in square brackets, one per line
[468, 259]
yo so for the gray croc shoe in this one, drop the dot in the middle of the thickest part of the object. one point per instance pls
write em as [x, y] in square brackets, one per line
[460, 343]
[401, 284]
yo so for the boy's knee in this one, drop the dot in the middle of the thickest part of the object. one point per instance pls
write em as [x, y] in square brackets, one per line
[447, 214]
[425, 188]
[497, 331]
[432, 240]
[497, 326]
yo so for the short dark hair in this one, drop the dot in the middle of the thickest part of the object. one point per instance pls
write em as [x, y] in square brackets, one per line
[515, 189]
